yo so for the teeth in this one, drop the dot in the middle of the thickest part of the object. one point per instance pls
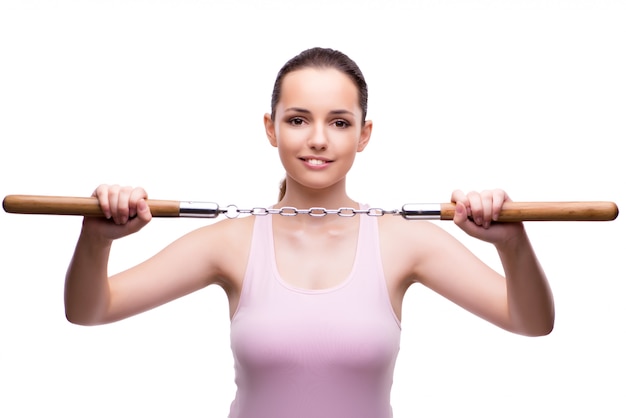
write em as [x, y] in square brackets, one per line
[315, 162]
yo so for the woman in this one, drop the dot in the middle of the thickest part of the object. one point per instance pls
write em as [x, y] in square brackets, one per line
[315, 302]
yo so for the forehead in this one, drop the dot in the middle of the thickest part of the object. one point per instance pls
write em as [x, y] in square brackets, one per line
[309, 87]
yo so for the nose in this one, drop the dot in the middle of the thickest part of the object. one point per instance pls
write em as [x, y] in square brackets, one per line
[318, 138]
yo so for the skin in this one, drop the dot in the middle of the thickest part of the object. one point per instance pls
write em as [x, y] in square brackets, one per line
[318, 132]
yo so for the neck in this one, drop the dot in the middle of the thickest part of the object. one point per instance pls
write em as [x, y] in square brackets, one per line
[301, 197]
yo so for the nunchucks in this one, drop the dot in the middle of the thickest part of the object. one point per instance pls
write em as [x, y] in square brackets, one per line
[511, 211]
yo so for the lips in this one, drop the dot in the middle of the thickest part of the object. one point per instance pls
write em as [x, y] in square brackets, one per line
[315, 161]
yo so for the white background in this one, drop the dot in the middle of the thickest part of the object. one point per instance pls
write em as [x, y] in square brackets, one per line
[529, 96]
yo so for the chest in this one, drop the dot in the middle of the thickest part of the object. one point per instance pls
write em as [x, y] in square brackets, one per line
[315, 258]
[304, 333]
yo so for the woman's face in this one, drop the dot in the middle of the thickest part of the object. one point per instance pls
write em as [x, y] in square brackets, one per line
[317, 126]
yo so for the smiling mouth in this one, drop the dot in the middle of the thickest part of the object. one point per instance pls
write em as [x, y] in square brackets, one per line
[314, 161]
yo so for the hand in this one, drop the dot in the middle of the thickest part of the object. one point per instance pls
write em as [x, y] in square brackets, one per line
[125, 209]
[484, 209]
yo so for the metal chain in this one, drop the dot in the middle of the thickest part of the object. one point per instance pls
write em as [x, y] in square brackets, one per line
[232, 211]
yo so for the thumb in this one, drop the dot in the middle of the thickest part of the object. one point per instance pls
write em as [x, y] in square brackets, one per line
[143, 211]
[460, 213]
[140, 220]
[462, 220]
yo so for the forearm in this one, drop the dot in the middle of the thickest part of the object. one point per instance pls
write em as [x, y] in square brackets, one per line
[530, 301]
[86, 283]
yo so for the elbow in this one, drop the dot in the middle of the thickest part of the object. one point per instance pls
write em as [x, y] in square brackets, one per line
[536, 323]
[548, 328]
[538, 328]
[75, 319]
[547, 325]
[541, 331]
[535, 319]
[80, 318]
[535, 331]
[81, 311]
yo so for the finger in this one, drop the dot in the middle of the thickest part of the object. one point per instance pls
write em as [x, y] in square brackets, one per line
[458, 196]
[499, 197]
[460, 214]
[123, 204]
[487, 205]
[143, 211]
[475, 207]
[135, 195]
[102, 193]
[113, 196]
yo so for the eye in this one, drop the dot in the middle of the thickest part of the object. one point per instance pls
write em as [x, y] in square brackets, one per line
[296, 121]
[340, 123]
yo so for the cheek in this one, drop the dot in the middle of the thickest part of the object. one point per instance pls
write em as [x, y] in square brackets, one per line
[349, 141]
[288, 145]
[291, 138]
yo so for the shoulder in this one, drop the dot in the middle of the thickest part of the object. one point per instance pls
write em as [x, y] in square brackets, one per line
[221, 247]
[227, 238]
[234, 230]
[226, 231]
[411, 245]
[403, 231]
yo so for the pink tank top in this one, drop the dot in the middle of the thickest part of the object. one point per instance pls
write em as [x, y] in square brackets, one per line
[303, 353]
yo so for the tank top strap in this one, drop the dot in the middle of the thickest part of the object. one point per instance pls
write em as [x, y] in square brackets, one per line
[259, 261]
[369, 264]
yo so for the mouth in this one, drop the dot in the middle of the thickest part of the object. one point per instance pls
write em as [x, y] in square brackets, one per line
[315, 161]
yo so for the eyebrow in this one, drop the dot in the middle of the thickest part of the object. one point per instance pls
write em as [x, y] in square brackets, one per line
[332, 112]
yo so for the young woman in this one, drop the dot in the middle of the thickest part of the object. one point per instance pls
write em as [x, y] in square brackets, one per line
[315, 302]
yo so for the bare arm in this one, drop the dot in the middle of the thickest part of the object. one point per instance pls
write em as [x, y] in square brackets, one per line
[186, 265]
[530, 304]
[521, 301]
[86, 281]
[87, 291]
[529, 297]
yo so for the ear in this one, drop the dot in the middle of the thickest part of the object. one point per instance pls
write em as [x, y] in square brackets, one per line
[270, 129]
[366, 133]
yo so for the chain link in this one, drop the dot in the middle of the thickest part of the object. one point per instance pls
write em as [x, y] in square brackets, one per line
[232, 211]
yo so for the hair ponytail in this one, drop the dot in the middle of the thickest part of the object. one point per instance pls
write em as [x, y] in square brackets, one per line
[282, 189]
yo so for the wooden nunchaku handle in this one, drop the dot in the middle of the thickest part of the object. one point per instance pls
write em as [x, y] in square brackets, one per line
[548, 211]
[82, 206]
[511, 211]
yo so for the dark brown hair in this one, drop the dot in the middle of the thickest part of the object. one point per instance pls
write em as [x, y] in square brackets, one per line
[321, 58]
